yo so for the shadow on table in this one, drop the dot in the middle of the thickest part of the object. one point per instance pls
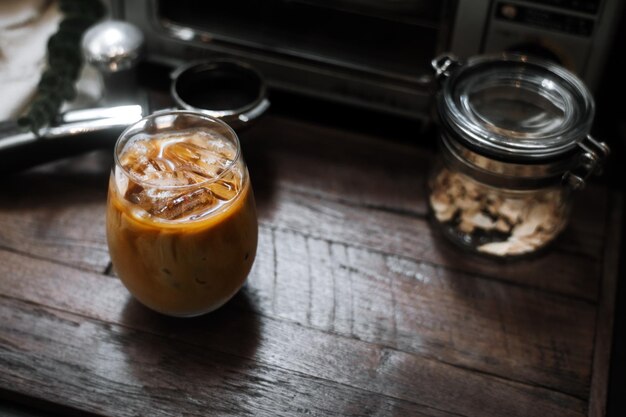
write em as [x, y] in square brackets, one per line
[524, 328]
[82, 179]
[197, 356]
[256, 145]
[526, 271]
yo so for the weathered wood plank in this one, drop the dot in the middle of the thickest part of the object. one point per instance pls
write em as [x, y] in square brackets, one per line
[433, 332]
[113, 370]
[58, 215]
[309, 179]
[366, 171]
[352, 295]
[414, 238]
[314, 180]
[513, 332]
[338, 166]
[606, 313]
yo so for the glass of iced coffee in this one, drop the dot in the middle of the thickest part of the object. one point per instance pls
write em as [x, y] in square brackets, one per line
[181, 218]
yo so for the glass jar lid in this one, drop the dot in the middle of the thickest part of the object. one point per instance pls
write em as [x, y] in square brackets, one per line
[514, 108]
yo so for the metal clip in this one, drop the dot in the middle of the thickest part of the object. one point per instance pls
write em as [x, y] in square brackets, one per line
[444, 64]
[594, 154]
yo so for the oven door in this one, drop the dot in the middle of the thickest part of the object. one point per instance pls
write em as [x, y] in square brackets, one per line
[364, 52]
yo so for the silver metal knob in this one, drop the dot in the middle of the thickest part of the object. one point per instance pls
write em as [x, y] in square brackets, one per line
[113, 46]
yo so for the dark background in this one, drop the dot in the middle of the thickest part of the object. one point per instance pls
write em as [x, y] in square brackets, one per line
[611, 126]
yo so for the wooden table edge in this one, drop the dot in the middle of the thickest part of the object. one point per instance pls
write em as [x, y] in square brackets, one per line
[601, 359]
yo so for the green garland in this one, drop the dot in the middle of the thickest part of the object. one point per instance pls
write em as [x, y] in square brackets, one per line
[57, 83]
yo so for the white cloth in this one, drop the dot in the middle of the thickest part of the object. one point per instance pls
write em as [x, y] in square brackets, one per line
[25, 26]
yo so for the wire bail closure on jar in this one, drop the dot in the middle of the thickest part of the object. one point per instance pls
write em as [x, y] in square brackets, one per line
[517, 120]
[444, 64]
[591, 161]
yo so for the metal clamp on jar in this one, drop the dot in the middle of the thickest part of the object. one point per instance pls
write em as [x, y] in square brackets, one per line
[514, 142]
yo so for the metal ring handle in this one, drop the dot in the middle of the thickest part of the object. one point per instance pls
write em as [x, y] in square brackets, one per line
[196, 74]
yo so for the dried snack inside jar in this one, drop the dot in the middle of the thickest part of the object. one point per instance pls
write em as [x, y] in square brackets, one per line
[495, 221]
[514, 145]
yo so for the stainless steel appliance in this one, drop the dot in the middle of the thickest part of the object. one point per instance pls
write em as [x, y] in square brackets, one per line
[372, 53]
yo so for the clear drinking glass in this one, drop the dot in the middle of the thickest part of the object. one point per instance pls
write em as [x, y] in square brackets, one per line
[181, 219]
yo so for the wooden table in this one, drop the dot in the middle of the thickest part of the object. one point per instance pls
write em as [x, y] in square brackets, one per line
[355, 306]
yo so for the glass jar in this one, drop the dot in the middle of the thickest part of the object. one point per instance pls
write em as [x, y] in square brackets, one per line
[181, 218]
[514, 143]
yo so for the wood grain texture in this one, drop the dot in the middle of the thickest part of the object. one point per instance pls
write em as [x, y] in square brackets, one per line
[57, 212]
[307, 179]
[415, 307]
[355, 305]
[363, 192]
[244, 330]
[389, 300]
[117, 371]
[606, 313]
[413, 238]
[366, 172]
